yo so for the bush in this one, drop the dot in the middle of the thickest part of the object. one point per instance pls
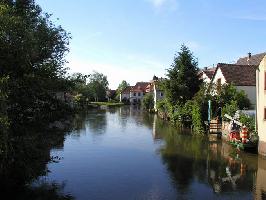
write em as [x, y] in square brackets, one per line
[248, 121]
[148, 101]
[230, 108]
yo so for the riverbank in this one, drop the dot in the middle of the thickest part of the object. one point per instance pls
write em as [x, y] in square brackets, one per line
[109, 104]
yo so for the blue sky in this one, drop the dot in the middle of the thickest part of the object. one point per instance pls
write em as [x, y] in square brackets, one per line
[133, 40]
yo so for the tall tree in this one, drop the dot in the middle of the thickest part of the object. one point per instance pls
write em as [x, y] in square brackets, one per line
[98, 85]
[32, 51]
[183, 81]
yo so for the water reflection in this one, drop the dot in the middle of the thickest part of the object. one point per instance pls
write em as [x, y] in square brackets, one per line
[25, 158]
[193, 160]
[139, 156]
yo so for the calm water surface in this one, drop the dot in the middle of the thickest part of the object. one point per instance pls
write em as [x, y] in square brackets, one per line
[125, 153]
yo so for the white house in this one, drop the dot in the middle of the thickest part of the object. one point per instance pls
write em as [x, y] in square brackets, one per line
[261, 106]
[242, 76]
[137, 92]
[206, 74]
[125, 94]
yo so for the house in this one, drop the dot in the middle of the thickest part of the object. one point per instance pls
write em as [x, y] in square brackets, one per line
[134, 94]
[125, 94]
[137, 92]
[206, 74]
[110, 94]
[242, 76]
[261, 105]
[251, 59]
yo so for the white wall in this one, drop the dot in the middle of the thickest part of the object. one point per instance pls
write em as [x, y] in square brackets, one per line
[157, 96]
[124, 95]
[261, 104]
[218, 75]
[251, 93]
[205, 78]
[137, 98]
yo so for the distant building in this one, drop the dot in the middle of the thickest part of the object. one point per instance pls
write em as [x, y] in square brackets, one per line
[110, 94]
[125, 94]
[137, 92]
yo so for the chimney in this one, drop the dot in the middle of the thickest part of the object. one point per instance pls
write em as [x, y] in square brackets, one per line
[205, 68]
[249, 56]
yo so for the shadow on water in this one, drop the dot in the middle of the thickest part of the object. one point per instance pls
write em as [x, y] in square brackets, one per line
[23, 159]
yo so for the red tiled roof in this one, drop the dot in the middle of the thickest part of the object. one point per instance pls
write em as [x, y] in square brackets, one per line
[140, 86]
[127, 90]
[253, 60]
[239, 75]
[209, 72]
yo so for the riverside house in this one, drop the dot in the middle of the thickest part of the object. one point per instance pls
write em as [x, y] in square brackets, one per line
[134, 94]
[242, 76]
[261, 105]
[206, 74]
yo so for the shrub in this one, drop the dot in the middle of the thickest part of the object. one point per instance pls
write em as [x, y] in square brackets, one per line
[148, 101]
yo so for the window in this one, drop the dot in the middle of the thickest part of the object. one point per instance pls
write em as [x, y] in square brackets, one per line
[264, 80]
[134, 94]
[139, 94]
[161, 94]
[264, 113]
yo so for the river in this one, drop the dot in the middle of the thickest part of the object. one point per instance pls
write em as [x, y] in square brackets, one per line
[126, 153]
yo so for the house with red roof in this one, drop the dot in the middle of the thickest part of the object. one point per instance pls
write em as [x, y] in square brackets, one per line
[206, 74]
[134, 94]
[125, 94]
[242, 76]
[137, 92]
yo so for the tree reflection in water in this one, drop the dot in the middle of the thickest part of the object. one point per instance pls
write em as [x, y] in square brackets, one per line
[196, 160]
[23, 158]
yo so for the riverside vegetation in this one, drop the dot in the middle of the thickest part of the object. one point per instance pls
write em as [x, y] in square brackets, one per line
[186, 96]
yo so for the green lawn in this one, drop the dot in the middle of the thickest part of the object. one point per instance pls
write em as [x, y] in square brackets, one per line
[107, 103]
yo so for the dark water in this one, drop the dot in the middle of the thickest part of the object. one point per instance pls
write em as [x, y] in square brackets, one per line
[125, 153]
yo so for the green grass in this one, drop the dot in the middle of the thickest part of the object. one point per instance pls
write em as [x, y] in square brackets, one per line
[107, 104]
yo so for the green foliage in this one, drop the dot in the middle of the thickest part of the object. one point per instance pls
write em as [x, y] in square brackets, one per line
[4, 122]
[32, 51]
[248, 121]
[148, 101]
[183, 81]
[230, 108]
[197, 120]
[230, 93]
[122, 86]
[98, 86]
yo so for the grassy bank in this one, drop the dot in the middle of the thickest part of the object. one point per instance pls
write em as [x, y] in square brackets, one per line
[111, 104]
